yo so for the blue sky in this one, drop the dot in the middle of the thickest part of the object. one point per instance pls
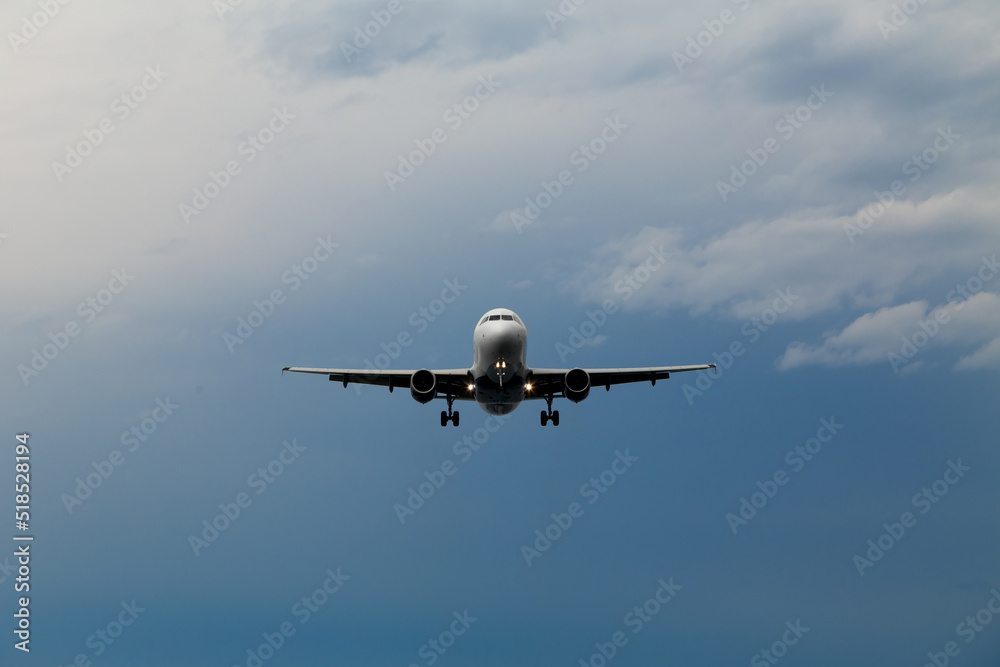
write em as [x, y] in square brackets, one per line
[802, 193]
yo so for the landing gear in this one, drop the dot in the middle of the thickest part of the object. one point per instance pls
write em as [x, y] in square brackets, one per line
[546, 416]
[449, 416]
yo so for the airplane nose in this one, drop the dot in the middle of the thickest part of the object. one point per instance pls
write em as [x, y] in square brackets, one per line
[508, 340]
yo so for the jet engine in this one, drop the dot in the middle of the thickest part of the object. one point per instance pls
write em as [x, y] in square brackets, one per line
[423, 386]
[576, 385]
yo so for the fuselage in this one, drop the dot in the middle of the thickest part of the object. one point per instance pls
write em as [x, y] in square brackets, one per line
[499, 369]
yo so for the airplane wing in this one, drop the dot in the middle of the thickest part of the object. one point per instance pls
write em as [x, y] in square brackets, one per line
[550, 380]
[454, 381]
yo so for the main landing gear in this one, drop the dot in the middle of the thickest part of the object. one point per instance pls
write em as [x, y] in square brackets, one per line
[546, 416]
[449, 416]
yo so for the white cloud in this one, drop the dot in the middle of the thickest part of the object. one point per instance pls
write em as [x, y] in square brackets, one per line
[988, 356]
[737, 272]
[325, 173]
[866, 340]
[901, 333]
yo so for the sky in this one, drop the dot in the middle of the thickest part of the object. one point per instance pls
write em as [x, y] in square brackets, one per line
[194, 195]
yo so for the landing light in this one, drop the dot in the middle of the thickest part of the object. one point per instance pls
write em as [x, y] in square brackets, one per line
[527, 387]
[471, 387]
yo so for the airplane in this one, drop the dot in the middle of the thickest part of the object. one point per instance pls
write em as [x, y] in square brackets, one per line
[499, 378]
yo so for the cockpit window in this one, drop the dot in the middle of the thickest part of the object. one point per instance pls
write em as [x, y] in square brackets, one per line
[485, 317]
[518, 320]
[494, 317]
[506, 317]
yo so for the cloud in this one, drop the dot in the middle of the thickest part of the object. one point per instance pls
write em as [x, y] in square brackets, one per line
[866, 340]
[657, 187]
[900, 333]
[913, 245]
[363, 39]
[988, 356]
[503, 222]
